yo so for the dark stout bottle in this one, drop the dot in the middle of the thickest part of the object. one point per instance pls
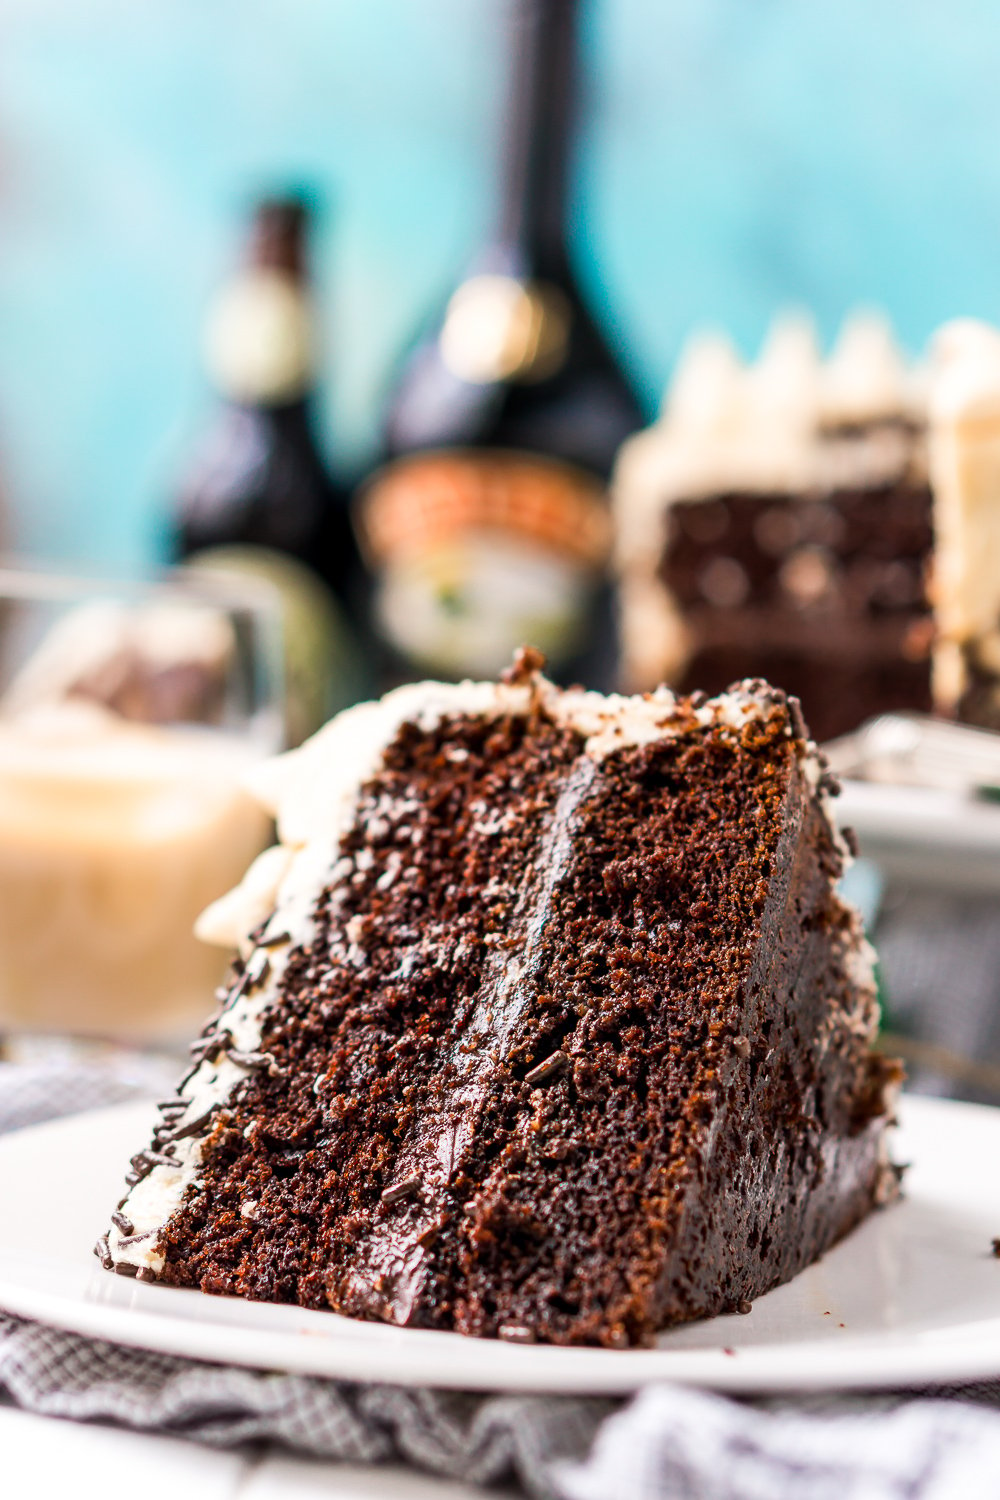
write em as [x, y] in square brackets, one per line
[488, 525]
[258, 498]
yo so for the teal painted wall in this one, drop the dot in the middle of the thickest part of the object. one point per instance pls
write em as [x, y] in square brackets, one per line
[738, 155]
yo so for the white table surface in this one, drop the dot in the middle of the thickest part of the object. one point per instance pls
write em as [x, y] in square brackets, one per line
[45, 1459]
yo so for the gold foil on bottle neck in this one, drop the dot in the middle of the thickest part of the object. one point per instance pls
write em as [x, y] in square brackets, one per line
[498, 328]
[258, 340]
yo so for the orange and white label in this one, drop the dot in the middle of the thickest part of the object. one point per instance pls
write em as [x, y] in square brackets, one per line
[478, 553]
[418, 501]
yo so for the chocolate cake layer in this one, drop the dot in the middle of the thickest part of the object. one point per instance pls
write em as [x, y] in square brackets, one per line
[826, 595]
[779, 520]
[575, 1043]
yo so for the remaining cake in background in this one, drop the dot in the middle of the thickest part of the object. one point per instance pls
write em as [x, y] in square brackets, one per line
[548, 1024]
[780, 520]
[964, 432]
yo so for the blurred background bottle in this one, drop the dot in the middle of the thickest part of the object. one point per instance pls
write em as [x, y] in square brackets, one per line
[487, 526]
[258, 498]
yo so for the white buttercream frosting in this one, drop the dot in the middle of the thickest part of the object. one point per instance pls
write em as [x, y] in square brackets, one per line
[783, 385]
[313, 794]
[759, 426]
[729, 426]
[157, 1195]
[965, 371]
[964, 458]
[774, 426]
[708, 391]
[228, 920]
[866, 376]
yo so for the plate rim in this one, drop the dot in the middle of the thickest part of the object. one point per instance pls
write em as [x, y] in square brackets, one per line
[872, 1361]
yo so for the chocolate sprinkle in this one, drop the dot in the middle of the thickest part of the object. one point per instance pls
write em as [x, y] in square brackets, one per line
[400, 1190]
[248, 1059]
[743, 1306]
[134, 1239]
[261, 973]
[121, 1222]
[543, 1070]
[193, 1127]
[274, 940]
[146, 1273]
[103, 1252]
[206, 1046]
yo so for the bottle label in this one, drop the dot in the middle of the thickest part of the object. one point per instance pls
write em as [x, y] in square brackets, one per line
[477, 553]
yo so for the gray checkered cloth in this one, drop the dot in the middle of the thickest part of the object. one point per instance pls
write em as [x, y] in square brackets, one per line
[667, 1444]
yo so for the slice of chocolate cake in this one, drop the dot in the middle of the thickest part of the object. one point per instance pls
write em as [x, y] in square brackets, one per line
[551, 1026]
[832, 525]
[778, 521]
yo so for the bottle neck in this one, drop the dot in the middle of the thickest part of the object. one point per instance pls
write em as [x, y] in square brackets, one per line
[538, 131]
[292, 417]
[278, 238]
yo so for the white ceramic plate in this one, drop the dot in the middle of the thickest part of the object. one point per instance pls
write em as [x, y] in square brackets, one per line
[913, 1296]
